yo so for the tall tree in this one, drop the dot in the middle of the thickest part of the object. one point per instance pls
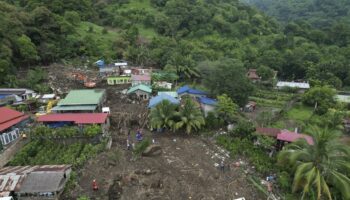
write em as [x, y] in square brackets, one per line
[191, 118]
[162, 116]
[227, 76]
[321, 167]
[27, 50]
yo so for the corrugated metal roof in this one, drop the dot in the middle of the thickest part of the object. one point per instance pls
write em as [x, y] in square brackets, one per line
[273, 132]
[9, 117]
[158, 99]
[83, 97]
[188, 90]
[208, 101]
[78, 118]
[73, 108]
[170, 93]
[12, 178]
[141, 87]
[145, 77]
[289, 136]
[42, 182]
[293, 84]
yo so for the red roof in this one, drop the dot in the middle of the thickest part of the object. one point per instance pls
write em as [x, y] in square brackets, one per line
[141, 77]
[77, 118]
[289, 136]
[9, 117]
[273, 132]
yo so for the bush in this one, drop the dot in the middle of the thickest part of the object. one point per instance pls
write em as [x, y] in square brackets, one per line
[244, 129]
[92, 130]
[140, 147]
[213, 122]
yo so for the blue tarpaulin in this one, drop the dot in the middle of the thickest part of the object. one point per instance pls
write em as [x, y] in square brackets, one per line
[158, 99]
[100, 63]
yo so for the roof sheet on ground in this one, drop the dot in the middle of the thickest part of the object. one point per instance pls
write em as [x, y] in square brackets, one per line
[73, 108]
[78, 118]
[83, 97]
[158, 99]
[141, 87]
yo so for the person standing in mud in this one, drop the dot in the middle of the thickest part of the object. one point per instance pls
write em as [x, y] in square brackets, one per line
[222, 166]
[139, 135]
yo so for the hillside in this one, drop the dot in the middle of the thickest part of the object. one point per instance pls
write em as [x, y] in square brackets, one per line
[173, 33]
[319, 13]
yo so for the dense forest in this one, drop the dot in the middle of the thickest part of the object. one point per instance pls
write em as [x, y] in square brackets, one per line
[178, 34]
[319, 13]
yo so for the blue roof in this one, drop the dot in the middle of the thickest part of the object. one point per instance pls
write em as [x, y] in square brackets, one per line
[158, 99]
[208, 101]
[4, 95]
[187, 89]
[183, 89]
[100, 63]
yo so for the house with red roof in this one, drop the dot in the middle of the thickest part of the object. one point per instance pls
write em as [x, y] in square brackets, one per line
[75, 119]
[283, 136]
[144, 79]
[11, 122]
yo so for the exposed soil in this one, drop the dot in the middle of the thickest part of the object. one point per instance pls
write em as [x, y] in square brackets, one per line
[186, 169]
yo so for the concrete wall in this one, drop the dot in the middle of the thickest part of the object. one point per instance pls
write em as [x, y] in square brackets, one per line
[11, 150]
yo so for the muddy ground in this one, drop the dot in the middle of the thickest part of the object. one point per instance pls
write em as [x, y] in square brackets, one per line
[187, 168]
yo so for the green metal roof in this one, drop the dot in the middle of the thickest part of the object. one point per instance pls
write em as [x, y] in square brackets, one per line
[141, 87]
[83, 97]
[170, 93]
[71, 108]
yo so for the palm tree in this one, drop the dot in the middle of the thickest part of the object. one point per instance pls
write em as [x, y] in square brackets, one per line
[319, 167]
[190, 117]
[162, 116]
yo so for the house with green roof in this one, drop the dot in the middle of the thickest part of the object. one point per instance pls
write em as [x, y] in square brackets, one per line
[81, 101]
[142, 91]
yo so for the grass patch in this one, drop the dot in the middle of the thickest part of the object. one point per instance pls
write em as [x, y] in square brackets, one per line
[300, 112]
[140, 147]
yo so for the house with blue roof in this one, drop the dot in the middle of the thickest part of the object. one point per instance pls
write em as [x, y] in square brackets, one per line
[186, 90]
[158, 99]
[207, 104]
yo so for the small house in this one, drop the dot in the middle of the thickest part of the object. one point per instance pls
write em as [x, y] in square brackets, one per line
[142, 91]
[20, 94]
[11, 122]
[186, 90]
[76, 119]
[207, 105]
[253, 76]
[86, 100]
[286, 136]
[39, 182]
[140, 79]
[158, 99]
[118, 80]
[301, 86]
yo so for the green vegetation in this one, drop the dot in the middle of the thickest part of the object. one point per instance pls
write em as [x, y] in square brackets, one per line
[141, 147]
[44, 152]
[65, 132]
[300, 113]
[270, 98]
[321, 169]
[226, 108]
[173, 117]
